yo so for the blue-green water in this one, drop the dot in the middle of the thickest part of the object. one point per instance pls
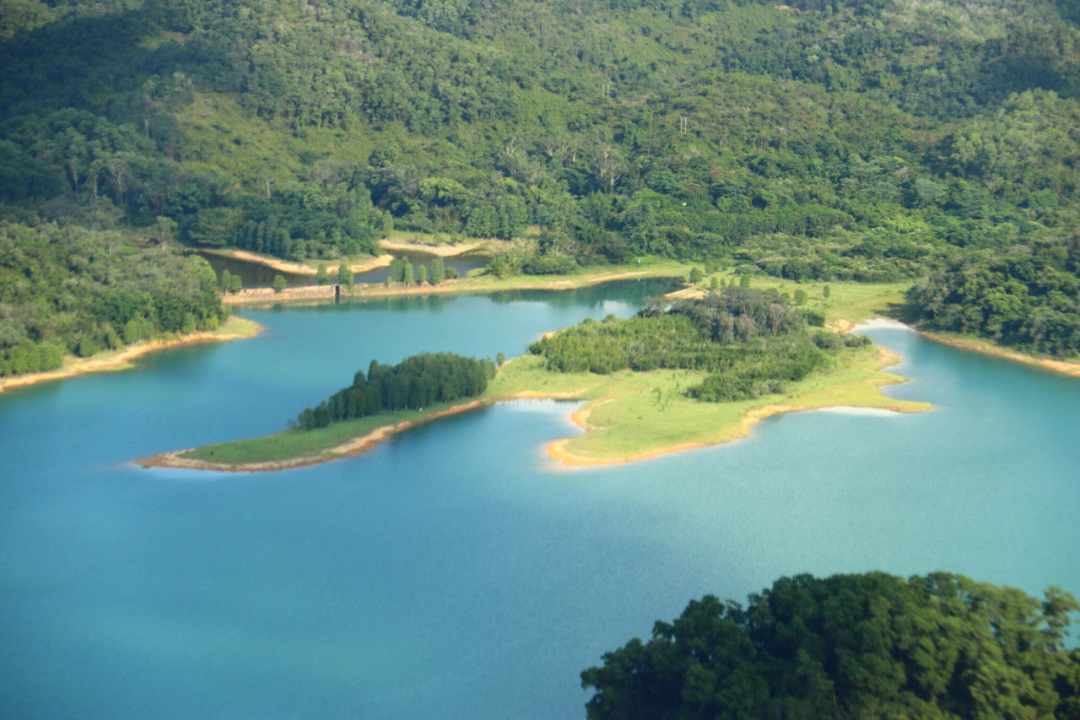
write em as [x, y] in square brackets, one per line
[451, 573]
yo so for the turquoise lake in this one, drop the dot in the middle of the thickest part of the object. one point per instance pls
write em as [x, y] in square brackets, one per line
[452, 572]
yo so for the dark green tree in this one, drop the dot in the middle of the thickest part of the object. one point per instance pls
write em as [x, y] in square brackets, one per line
[436, 271]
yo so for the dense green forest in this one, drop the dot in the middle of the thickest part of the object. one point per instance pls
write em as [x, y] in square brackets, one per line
[68, 289]
[416, 382]
[1028, 297]
[819, 139]
[752, 342]
[851, 646]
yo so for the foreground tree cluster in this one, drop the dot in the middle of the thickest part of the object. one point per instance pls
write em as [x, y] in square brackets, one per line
[851, 647]
[415, 383]
[752, 342]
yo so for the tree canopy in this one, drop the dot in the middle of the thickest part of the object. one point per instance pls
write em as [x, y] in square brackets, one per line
[851, 646]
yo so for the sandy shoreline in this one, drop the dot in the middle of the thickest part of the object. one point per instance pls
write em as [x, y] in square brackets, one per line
[445, 251]
[122, 359]
[353, 446]
[986, 347]
[299, 268]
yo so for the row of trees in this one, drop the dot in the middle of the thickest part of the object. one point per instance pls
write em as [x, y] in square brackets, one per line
[415, 383]
[851, 647]
[434, 273]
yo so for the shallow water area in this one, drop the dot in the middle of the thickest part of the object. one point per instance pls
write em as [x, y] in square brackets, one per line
[449, 572]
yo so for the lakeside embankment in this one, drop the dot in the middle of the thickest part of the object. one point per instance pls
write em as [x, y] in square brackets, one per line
[989, 347]
[234, 328]
[444, 250]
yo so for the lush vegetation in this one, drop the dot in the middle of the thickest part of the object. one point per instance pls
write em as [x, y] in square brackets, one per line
[752, 342]
[851, 646]
[814, 140]
[413, 384]
[67, 289]
[1028, 297]
[630, 415]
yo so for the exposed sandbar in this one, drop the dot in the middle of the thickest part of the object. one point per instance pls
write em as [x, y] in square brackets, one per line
[300, 268]
[446, 250]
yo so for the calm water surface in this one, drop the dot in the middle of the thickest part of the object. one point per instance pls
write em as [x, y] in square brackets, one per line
[451, 573]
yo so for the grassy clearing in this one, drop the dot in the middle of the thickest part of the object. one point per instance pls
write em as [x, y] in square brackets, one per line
[852, 301]
[634, 415]
[238, 327]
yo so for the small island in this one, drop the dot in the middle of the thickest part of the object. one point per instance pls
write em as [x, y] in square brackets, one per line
[678, 375]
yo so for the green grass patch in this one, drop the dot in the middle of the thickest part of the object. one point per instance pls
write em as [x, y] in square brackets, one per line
[634, 414]
[300, 444]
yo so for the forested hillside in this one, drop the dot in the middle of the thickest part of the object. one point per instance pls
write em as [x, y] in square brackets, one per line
[870, 140]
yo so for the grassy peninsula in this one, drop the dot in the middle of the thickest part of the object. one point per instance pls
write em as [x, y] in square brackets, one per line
[676, 376]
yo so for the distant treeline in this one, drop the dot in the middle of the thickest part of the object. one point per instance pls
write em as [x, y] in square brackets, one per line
[752, 342]
[67, 289]
[851, 647]
[416, 382]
